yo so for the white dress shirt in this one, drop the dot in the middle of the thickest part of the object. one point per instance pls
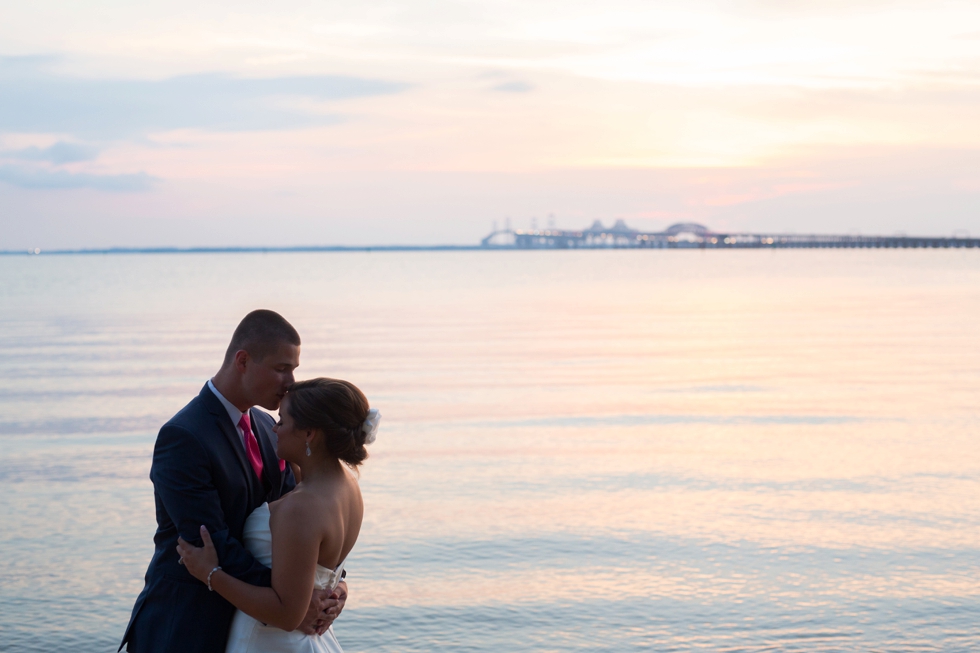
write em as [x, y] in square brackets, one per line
[233, 412]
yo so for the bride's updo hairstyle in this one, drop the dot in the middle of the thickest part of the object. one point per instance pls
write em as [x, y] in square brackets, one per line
[335, 408]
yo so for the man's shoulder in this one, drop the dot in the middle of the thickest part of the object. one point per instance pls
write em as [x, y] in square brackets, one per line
[261, 417]
[191, 429]
[191, 417]
[193, 412]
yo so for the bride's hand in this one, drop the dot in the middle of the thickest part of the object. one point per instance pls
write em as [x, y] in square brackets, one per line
[199, 560]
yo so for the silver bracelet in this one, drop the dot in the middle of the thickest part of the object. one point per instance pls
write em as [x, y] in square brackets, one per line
[211, 589]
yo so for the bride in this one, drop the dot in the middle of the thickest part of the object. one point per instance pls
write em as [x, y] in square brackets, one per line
[306, 535]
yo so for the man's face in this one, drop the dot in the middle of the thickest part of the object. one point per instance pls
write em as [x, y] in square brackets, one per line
[267, 380]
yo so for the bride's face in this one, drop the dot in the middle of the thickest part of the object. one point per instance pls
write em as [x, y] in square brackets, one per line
[290, 441]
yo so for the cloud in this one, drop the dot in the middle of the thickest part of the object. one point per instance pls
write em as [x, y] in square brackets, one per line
[30, 63]
[779, 8]
[36, 178]
[60, 152]
[38, 101]
[514, 87]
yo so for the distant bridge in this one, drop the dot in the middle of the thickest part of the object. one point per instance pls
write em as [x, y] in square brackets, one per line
[690, 235]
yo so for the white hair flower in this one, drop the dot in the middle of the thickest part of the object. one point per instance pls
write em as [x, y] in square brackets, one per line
[370, 426]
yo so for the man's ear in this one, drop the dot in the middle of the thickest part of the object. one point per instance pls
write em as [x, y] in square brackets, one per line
[241, 360]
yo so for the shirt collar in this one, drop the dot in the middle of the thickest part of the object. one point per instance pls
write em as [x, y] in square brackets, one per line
[233, 412]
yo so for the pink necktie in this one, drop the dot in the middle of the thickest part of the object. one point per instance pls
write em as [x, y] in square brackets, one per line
[251, 445]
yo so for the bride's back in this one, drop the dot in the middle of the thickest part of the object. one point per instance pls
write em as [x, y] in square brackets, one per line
[324, 425]
[333, 508]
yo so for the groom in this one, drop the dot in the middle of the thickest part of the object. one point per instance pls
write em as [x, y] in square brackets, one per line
[214, 462]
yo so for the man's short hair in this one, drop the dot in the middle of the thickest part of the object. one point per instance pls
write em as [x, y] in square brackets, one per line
[260, 333]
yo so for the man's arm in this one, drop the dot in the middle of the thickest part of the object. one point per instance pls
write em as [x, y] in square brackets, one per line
[181, 475]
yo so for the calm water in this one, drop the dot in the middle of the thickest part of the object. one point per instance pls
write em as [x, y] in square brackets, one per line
[622, 451]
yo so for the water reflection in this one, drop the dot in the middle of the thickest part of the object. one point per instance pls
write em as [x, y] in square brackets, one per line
[601, 450]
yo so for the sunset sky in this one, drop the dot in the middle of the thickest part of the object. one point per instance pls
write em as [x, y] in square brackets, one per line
[299, 123]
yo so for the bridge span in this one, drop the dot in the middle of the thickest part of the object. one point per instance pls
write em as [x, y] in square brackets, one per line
[689, 235]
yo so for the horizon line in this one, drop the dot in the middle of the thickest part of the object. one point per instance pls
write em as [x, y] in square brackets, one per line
[239, 250]
[620, 229]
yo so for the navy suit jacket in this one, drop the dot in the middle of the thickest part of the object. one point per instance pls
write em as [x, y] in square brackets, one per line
[201, 475]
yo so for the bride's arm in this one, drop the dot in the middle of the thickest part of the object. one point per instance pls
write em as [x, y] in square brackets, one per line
[296, 545]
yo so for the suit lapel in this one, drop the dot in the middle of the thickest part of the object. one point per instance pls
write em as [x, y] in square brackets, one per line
[229, 431]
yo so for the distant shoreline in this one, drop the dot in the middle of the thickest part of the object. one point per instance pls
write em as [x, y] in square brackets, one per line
[567, 240]
[244, 250]
[683, 235]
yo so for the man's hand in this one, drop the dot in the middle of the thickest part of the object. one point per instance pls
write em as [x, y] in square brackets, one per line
[325, 607]
[319, 604]
[337, 600]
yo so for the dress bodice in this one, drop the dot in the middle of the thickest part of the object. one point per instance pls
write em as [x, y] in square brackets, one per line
[257, 538]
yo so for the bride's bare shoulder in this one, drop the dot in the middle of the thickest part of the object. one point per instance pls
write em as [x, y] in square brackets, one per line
[297, 507]
[354, 487]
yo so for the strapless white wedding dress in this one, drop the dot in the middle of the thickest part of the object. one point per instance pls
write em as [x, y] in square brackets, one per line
[248, 635]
